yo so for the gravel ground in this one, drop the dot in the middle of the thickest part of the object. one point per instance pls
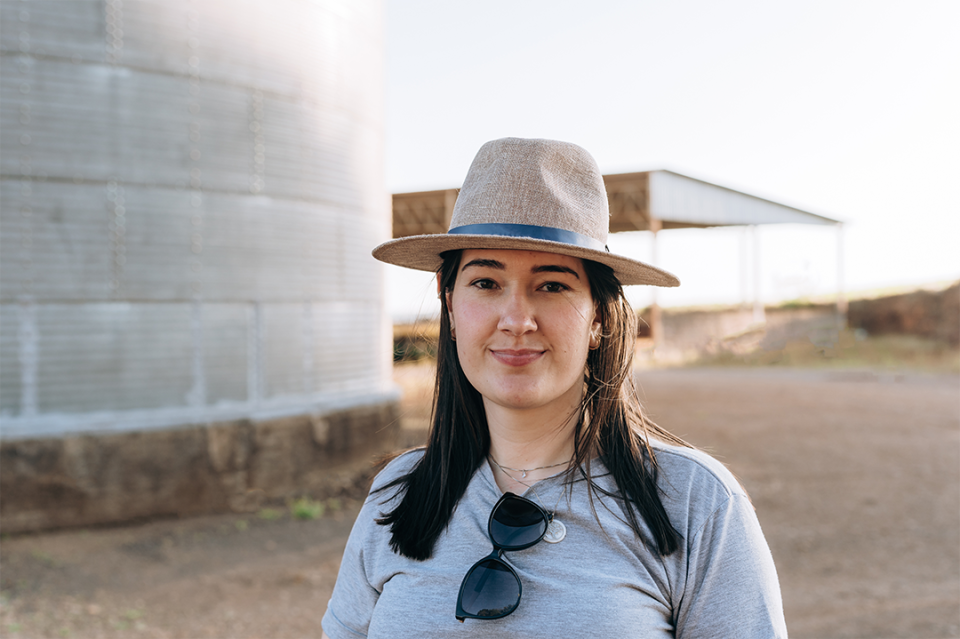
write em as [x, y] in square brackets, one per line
[855, 476]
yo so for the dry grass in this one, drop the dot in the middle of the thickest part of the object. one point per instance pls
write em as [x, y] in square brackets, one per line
[884, 352]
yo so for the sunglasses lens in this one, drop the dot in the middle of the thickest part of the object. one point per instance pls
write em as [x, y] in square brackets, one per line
[490, 590]
[517, 524]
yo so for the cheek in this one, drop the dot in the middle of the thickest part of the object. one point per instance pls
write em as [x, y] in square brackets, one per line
[578, 326]
[472, 322]
[571, 341]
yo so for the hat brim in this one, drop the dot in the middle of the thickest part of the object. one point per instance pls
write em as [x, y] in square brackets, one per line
[422, 252]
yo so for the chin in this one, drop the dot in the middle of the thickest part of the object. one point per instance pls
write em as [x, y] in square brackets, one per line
[520, 399]
[521, 404]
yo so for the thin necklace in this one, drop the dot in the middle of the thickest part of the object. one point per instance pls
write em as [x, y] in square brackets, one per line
[556, 531]
[504, 470]
[523, 471]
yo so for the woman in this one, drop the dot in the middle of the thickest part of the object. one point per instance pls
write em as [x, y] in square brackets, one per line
[601, 523]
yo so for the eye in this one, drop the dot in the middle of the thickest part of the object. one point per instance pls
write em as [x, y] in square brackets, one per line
[484, 283]
[554, 287]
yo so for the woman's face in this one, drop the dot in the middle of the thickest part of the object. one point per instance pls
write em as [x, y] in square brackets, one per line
[522, 322]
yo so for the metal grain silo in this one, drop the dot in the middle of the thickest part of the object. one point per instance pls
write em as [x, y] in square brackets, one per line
[190, 191]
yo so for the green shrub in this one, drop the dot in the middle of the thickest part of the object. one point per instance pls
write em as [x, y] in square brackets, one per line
[306, 508]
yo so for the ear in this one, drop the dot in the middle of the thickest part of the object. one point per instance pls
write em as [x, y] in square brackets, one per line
[596, 330]
[449, 300]
[448, 295]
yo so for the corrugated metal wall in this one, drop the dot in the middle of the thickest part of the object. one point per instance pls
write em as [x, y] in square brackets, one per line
[190, 191]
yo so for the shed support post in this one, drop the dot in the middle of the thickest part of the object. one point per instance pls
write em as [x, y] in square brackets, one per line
[842, 305]
[656, 323]
[745, 267]
[758, 314]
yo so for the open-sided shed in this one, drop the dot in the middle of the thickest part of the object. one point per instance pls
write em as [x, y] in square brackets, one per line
[652, 201]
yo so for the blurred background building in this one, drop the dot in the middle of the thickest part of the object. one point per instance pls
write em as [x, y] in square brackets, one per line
[190, 315]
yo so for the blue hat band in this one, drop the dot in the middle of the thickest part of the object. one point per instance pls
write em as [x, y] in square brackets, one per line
[531, 231]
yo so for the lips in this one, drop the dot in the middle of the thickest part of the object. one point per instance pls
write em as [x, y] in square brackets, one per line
[520, 357]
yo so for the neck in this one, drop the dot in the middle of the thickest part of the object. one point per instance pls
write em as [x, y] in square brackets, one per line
[528, 439]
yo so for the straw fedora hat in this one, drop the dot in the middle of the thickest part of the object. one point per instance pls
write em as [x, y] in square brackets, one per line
[531, 195]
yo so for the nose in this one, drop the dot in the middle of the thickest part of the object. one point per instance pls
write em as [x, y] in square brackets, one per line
[517, 315]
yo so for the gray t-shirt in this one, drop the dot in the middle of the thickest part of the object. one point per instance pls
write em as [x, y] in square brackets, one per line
[599, 581]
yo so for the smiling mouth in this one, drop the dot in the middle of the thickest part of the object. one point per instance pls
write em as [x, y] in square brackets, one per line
[517, 358]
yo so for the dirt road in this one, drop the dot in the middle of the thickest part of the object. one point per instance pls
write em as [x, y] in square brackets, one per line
[855, 476]
[856, 480]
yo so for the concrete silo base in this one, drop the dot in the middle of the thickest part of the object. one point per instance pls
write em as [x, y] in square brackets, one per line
[88, 480]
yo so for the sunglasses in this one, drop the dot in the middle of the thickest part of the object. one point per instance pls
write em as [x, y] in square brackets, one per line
[491, 588]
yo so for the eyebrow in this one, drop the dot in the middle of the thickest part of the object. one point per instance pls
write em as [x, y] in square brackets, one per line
[555, 268]
[545, 268]
[488, 263]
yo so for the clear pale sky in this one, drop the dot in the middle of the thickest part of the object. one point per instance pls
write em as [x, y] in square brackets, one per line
[846, 109]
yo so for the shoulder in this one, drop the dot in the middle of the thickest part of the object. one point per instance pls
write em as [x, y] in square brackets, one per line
[681, 466]
[729, 584]
[694, 485]
[382, 498]
[381, 490]
[397, 467]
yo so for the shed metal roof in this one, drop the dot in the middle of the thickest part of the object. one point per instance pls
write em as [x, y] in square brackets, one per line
[647, 200]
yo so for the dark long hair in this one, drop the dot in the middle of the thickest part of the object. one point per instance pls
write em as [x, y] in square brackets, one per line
[615, 428]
